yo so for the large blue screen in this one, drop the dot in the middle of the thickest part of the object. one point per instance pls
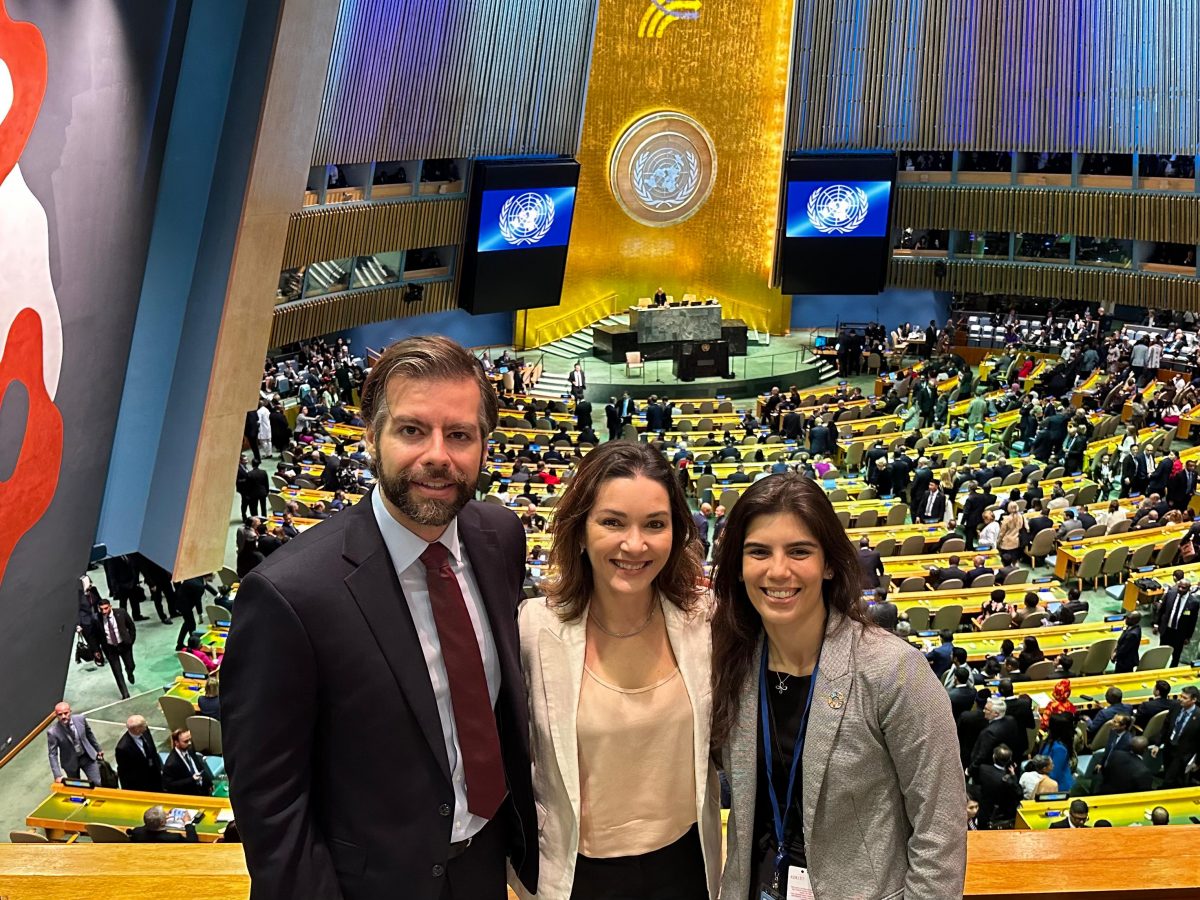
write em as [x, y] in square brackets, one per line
[831, 209]
[523, 218]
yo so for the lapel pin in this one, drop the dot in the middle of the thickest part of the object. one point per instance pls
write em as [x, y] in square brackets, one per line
[836, 701]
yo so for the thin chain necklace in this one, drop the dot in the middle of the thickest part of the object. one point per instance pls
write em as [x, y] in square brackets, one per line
[625, 634]
[783, 679]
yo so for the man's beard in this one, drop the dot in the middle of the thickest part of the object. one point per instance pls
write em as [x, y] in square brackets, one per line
[397, 488]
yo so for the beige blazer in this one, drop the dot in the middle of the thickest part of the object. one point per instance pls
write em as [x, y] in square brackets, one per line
[884, 794]
[552, 656]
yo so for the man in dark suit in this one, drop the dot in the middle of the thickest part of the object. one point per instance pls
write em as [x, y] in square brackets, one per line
[941, 656]
[654, 415]
[1077, 816]
[1157, 483]
[1148, 709]
[1116, 706]
[154, 829]
[1182, 486]
[578, 381]
[583, 413]
[871, 564]
[1001, 729]
[1020, 708]
[952, 571]
[970, 725]
[972, 512]
[999, 790]
[660, 297]
[258, 486]
[117, 635]
[921, 479]
[978, 570]
[627, 409]
[71, 746]
[185, 771]
[1129, 645]
[962, 695]
[1039, 521]
[1126, 771]
[1176, 620]
[1180, 738]
[1135, 473]
[818, 438]
[139, 767]
[793, 425]
[930, 508]
[902, 469]
[380, 599]
[612, 419]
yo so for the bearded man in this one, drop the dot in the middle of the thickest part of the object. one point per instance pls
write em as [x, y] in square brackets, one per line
[374, 712]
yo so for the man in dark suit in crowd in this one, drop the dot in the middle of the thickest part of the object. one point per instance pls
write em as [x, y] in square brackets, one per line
[818, 438]
[258, 486]
[583, 413]
[154, 829]
[380, 598]
[1116, 706]
[1001, 729]
[185, 771]
[883, 611]
[654, 415]
[962, 695]
[950, 572]
[72, 747]
[1135, 472]
[970, 725]
[578, 381]
[921, 479]
[612, 419]
[1077, 816]
[117, 636]
[1179, 741]
[972, 512]
[1126, 771]
[1148, 709]
[139, 767]
[1129, 645]
[941, 656]
[978, 570]
[1020, 708]
[1176, 620]
[871, 564]
[902, 469]
[931, 508]
[627, 409]
[1181, 486]
[1157, 483]
[793, 425]
[999, 790]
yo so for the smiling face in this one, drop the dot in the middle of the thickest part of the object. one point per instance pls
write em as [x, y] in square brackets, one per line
[783, 568]
[428, 452]
[628, 537]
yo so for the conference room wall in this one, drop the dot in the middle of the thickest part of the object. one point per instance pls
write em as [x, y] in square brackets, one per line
[893, 307]
[92, 165]
[471, 331]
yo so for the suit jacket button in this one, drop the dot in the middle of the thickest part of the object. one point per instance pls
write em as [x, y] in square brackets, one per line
[439, 871]
[444, 809]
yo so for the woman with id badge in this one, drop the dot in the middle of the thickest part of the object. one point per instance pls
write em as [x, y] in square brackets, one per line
[836, 737]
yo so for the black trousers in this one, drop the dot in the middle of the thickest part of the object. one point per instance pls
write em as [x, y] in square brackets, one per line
[118, 655]
[479, 874]
[675, 872]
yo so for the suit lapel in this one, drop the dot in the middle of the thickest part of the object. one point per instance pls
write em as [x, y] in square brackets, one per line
[561, 655]
[830, 698]
[744, 781]
[376, 589]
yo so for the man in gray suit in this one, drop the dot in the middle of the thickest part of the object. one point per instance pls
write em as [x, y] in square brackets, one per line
[72, 746]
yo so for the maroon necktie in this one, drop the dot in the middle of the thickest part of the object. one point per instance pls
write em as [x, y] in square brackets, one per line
[478, 740]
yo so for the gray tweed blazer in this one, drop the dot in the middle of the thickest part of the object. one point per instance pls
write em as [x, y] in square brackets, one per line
[884, 796]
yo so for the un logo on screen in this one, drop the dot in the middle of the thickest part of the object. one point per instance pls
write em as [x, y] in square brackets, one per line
[837, 209]
[526, 218]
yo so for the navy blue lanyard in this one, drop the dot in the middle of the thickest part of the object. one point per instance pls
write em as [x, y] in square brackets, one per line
[780, 816]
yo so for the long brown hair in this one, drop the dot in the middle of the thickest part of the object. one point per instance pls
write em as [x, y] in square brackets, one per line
[736, 626]
[569, 591]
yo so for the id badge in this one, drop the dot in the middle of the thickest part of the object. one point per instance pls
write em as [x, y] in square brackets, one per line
[799, 886]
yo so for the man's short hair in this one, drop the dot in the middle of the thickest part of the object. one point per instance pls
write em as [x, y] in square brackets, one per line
[962, 675]
[1006, 687]
[959, 655]
[1002, 755]
[155, 818]
[1113, 695]
[1079, 807]
[946, 635]
[1192, 691]
[1160, 816]
[427, 358]
[1162, 688]
[954, 560]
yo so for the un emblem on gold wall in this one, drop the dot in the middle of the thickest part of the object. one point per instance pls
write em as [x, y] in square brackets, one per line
[663, 168]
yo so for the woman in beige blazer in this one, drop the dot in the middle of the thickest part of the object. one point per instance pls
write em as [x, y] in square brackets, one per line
[616, 660]
[804, 683]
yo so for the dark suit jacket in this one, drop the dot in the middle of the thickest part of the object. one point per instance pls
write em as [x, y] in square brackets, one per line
[142, 835]
[1189, 740]
[1187, 622]
[318, 819]
[1148, 709]
[654, 417]
[126, 630]
[1128, 649]
[973, 507]
[998, 731]
[970, 725]
[977, 573]
[947, 574]
[136, 770]
[257, 484]
[177, 778]
[961, 700]
[1063, 823]
[872, 567]
[999, 795]
[1021, 709]
[1125, 773]
[1158, 479]
[921, 505]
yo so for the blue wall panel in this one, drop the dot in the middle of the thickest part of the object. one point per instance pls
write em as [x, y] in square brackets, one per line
[468, 330]
[893, 307]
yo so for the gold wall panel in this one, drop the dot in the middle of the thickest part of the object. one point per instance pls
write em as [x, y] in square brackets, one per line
[362, 229]
[727, 69]
[1090, 284]
[1127, 215]
[1105, 76]
[304, 319]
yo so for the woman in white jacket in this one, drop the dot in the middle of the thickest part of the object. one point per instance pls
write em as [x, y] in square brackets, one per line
[616, 660]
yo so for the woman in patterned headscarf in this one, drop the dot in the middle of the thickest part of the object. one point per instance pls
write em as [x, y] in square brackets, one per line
[1060, 704]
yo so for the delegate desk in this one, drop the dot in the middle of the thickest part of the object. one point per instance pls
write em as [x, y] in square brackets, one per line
[1070, 555]
[1135, 596]
[901, 567]
[1133, 685]
[1001, 865]
[1187, 422]
[1087, 389]
[1053, 639]
[310, 496]
[972, 599]
[68, 810]
[1122, 810]
[1147, 392]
